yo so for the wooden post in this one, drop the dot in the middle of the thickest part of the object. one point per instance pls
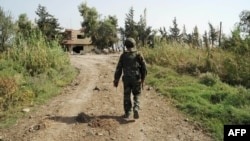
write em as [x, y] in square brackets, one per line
[220, 34]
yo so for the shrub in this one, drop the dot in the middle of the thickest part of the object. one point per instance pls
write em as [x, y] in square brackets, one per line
[8, 87]
[208, 79]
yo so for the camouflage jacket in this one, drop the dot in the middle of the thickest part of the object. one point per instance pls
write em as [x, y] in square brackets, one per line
[132, 65]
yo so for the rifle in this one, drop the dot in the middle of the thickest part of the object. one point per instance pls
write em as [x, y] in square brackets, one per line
[142, 84]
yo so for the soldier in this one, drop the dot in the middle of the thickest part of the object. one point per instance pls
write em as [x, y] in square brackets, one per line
[132, 65]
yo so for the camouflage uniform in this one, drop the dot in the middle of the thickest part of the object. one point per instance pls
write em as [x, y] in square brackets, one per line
[133, 66]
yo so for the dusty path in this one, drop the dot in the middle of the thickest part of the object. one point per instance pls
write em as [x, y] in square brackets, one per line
[90, 109]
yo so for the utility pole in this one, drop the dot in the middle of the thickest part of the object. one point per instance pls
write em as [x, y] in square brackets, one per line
[220, 34]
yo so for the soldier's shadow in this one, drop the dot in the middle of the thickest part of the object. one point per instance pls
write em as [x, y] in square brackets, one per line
[85, 118]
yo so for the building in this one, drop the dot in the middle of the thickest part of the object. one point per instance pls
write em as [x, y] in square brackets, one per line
[74, 41]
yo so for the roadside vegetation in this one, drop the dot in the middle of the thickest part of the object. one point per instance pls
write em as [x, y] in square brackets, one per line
[33, 68]
[30, 74]
[197, 86]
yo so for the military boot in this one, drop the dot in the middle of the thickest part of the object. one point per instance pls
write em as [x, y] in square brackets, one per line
[136, 114]
[126, 115]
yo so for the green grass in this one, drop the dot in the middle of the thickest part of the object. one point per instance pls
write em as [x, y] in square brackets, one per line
[213, 106]
[35, 91]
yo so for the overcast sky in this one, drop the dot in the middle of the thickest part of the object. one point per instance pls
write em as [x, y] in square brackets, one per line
[160, 13]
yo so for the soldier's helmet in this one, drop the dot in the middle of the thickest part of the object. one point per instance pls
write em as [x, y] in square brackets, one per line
[130, 43]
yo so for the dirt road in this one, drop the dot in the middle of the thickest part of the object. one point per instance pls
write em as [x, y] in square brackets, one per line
[90, 109]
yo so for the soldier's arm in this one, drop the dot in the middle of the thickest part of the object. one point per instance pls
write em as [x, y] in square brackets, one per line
[118, 71]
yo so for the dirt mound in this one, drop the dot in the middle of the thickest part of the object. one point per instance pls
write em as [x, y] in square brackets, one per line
[107, 124]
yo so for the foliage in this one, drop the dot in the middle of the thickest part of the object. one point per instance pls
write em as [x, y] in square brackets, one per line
[90, 21]
[213, 34]
[103, 33]
[244, 23]
[184, 35]
[34, 67]
[174, 31]
[8, 87]
[203, 99]
[237, 71]
[106, 33]
[143, 34]
[47, 23]
[229, 67]
[6, 29]
[210, 38]
[205, 40]
[25, 27]
[164, 34]
[144, 31]
[236, 43]
[34, 55]
[130, 25]
[237, 67]
[208, 79]
[195, 37]
[12, 95]
[31, 72]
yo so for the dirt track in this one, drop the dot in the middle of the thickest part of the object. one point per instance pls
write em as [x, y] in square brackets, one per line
[90, 109]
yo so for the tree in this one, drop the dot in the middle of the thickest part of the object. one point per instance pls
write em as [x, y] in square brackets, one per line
[184, 35]
[143, 31]
[189, 39]
[6, 29]
[236, 44]
[90, 21]
[213, 34]
[174, 31]
[164, 34]
[205, 39]
[106, 32]
[48, 25]
[24, 26]
[130, 25]
[152, 38]
[244, 23]
[122, 32]
[196, 37]
[103, 33]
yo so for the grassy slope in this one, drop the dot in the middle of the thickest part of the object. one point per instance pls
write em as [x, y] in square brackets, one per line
[202, 97]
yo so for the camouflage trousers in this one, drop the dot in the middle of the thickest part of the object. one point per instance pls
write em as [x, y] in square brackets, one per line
[133, 87]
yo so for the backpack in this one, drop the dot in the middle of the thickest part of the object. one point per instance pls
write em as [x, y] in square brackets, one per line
[134, 65]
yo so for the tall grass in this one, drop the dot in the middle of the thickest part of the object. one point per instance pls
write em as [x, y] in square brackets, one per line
[183, 76]
[231, 68]
[31, 71]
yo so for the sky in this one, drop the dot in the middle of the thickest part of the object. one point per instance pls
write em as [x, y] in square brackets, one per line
[160, 13]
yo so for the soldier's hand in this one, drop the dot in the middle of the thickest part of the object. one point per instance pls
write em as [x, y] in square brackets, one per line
[115, 83]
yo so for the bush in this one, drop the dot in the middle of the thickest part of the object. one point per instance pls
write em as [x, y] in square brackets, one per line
[208, 79]
[8, 87]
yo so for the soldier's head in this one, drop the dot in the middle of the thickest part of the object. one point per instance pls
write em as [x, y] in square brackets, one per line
[130, 43]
